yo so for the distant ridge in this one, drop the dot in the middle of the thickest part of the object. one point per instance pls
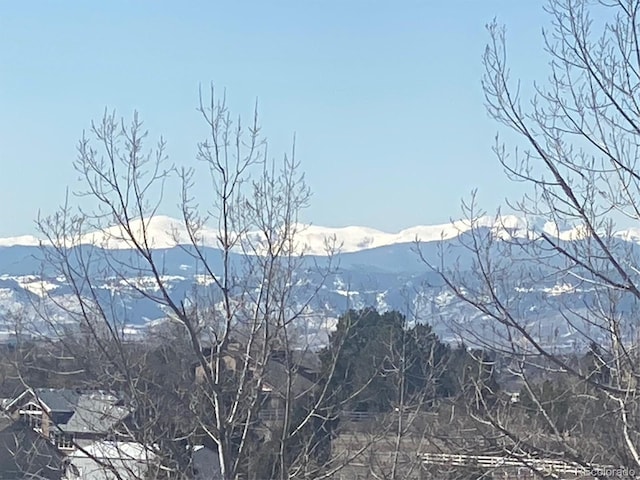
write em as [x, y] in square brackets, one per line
[166, 232]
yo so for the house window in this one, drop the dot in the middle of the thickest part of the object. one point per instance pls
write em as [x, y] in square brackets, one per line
[32, 415]
[63, 441]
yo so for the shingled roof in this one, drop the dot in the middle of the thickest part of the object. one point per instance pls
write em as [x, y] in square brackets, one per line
[58, 400]
[78, 411]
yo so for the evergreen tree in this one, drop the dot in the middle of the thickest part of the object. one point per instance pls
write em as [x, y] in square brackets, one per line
[379, 359]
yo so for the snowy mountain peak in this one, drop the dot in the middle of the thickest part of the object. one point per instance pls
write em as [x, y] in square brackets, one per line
[166, 232]
[159, 231]
[24, 240]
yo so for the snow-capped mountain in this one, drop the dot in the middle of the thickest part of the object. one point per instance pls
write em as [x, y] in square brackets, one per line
[24, 240]
[164, 232]
[374, 268]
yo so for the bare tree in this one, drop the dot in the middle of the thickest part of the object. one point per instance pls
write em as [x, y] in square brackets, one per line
[229, 368]
[576, 156]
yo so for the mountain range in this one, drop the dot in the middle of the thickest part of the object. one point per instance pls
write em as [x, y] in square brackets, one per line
[166, 232]
[373, 268]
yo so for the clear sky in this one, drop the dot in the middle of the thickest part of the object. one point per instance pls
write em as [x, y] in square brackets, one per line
[384, 97]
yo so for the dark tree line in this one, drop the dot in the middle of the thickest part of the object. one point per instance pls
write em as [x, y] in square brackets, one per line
[382, 360]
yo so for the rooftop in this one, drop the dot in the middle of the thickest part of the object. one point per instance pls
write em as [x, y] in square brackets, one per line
[78, 411]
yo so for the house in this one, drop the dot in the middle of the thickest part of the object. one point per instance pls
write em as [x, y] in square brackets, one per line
[291, 375]
[286, 377]
[26, 454]
[110, 460]
[69, 418]
[131, 461]
[73, 434]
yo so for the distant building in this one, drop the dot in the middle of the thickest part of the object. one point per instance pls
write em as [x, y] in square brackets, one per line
[74, 434]
[105, 460]
[297, 370]
[69, 418]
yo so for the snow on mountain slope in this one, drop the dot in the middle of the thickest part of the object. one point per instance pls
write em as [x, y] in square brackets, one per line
[24, 240]
[629, 235]
[354, 239]
[160, 232]
[166, 232]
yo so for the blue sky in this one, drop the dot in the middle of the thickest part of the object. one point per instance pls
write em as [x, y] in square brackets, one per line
[384, 97]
